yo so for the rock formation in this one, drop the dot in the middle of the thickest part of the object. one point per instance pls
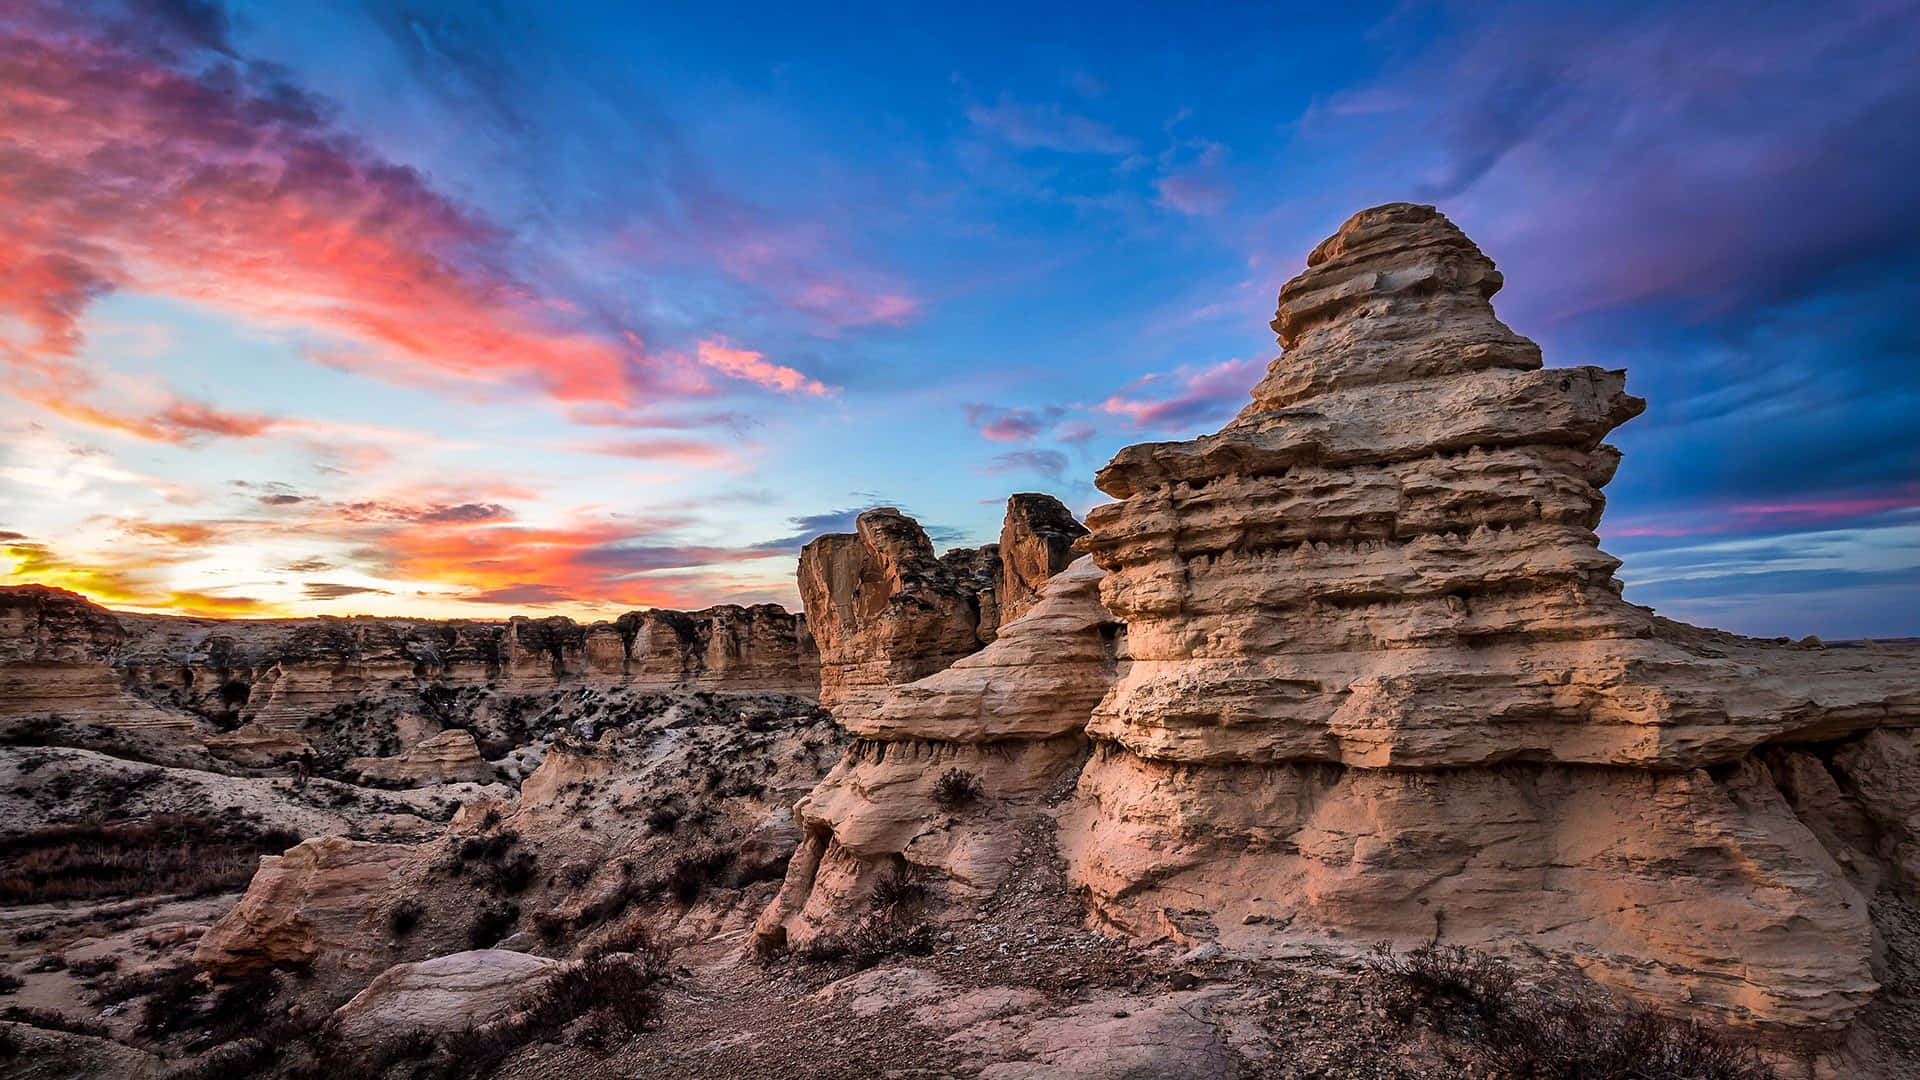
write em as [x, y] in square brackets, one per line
[944, 769]
[1383, 684]
[884, 610]
[1036, 542]
[446, 758]
[449, 993]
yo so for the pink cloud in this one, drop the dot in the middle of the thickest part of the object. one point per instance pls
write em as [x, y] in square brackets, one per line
[1187, 396]
[754, 367]
[1756, 517]
[125, 173]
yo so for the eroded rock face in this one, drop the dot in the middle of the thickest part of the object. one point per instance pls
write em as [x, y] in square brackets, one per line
[946, 769]
[1036, 542]
[320, 898]
[446, 758]
[449, 993]
[1383, 684]
[884, 610]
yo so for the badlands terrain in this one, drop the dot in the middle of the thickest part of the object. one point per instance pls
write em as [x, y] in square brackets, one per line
[1329, 748]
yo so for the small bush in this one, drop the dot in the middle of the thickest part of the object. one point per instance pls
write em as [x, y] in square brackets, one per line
[404, 916]
[697, 871]
[1522, 1035]
[239, 1060]
[663, 819]
[52, 1021]
[173, 1000]
[491, 925]
[512, 876]
[957, 788]
[9, 982]
[99, 965]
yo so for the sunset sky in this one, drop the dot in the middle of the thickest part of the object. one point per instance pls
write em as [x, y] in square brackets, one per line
[486, 308]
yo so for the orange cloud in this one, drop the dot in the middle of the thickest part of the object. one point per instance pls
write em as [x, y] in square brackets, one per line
[754, 367]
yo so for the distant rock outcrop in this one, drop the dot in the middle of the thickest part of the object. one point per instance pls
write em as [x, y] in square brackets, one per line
[1036, 542]
[884, 610]
[1384, 686]
[60, 652]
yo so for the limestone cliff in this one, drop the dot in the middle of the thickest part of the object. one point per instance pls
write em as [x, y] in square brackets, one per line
[1383, 684]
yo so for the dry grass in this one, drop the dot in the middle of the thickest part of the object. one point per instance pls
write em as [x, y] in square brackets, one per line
[1518, 1033]
[195, 856]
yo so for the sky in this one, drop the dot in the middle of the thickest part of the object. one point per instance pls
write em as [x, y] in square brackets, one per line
[485, 308]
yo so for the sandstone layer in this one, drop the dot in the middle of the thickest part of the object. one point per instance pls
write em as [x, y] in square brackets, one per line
[1036, 542]
[1383, 684]
[58, 651]
[945, 769]
[884, 609]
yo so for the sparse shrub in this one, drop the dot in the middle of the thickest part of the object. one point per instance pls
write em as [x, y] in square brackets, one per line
[239, 1060]
[663, 819]
[957, 788]
[492, 924]
[197, 856]
[99, 965]
[631, 936]
[697, 871]
[404, 916]
[9, 982]
[173, 1000]
[489, 848]
[511, 877]
[899, 892]
[1521, 1034]
[52, 1021]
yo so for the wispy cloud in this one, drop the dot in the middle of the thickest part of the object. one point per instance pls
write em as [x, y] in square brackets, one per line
[736, 363]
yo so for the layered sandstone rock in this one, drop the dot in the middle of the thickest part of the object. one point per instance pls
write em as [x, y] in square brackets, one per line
[449, 993]
[946, 769]
[1383, 684]
[884, 610]
[447, 758]
[1036, 542]
[318, 899]
[60, 654]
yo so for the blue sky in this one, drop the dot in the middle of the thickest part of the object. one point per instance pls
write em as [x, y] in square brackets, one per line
[482, 308]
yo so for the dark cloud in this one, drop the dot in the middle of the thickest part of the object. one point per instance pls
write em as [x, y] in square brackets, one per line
[306, 566]
[280, 500]
[1051, 464]
[1011, 424]
[450, 514]
[321, 590]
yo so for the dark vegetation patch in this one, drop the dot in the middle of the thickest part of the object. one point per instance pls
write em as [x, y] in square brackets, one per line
[891, 927]
[492, 924]
[195, 856]
[1519, 1033]
[53, 1021]
[957, 788]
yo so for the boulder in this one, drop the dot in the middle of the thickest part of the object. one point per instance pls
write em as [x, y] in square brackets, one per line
[449, 993]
